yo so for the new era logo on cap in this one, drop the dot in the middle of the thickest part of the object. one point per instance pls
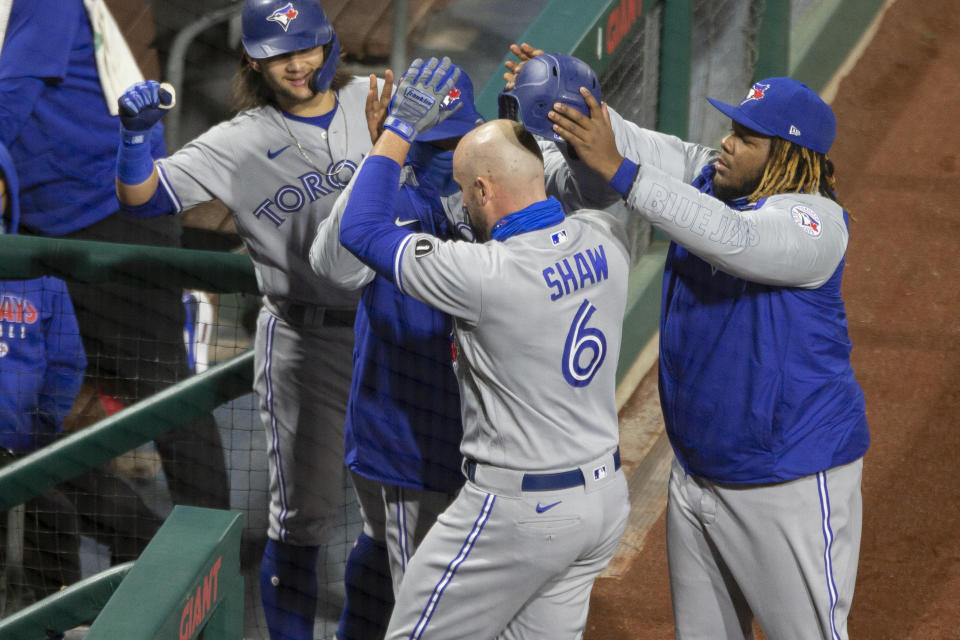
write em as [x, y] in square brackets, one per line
[794, 131]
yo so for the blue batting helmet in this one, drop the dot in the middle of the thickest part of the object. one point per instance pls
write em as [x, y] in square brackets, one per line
[274, 27]
[542, 81]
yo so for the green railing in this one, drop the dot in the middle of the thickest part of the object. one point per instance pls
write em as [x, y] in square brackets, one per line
[186, 582]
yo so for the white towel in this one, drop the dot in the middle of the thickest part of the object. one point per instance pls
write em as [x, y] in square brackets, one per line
[116, 65]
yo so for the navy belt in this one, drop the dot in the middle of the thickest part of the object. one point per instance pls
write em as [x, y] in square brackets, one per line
[548, 481]
[297, 314]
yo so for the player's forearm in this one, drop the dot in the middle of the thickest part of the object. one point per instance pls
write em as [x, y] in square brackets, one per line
[137, 194]
[367, 229]
[390, 145]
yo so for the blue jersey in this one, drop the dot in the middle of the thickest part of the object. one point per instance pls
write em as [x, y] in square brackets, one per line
[755, 379]
[403, 418]
[54, 119]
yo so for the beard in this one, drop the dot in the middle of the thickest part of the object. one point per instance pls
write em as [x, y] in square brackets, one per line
[728, 191]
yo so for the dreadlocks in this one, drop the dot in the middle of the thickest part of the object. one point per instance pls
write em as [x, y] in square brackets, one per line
[795, 169]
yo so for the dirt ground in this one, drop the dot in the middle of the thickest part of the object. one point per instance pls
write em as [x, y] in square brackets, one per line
[898, 164]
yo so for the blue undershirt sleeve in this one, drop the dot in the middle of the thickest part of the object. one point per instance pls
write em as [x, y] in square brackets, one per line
[623, 179]
[367, 229]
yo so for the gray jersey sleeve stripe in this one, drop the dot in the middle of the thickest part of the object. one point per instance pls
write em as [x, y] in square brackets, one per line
[397, 264]
[165, 182]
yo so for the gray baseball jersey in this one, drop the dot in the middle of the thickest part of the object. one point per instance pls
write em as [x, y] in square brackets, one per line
[543, 400]
[280, 177]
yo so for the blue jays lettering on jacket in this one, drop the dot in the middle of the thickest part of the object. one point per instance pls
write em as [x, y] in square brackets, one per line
[41, 355]
[755, 381]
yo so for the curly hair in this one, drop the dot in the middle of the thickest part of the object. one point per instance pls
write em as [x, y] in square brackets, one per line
[795, 169]
[248, 89]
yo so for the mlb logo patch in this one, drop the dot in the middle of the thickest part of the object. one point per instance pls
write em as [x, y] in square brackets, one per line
[284, 15]
[807, 218]
[559, 237]
[756, 92]
[600, 472]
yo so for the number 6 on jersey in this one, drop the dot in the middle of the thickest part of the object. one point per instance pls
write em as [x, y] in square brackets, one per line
[581, 339]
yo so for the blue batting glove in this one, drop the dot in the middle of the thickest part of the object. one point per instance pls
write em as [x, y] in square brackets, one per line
[143, 105]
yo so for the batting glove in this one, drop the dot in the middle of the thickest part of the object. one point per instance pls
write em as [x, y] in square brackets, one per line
[143, 105]
[417, 104]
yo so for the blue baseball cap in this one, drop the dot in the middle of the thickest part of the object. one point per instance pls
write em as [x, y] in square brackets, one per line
[785, 108]
[462, 121]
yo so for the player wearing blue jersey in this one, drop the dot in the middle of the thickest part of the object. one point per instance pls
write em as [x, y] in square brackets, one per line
[403, 429]
[57, 124]
[759, 398]
[278, 166]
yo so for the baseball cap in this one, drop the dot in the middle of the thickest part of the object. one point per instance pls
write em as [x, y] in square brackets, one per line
[462, 121]
[785, 108]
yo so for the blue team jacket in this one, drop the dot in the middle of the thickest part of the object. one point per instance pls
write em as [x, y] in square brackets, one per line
[403, 422]
[41, 355]
[756, 384]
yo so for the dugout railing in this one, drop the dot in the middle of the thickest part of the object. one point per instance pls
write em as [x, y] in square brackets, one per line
[652, 57]
[186, 583]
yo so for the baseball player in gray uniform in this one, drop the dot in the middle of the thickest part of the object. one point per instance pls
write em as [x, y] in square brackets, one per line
[538, 308]
[760, 402]
[279, 166]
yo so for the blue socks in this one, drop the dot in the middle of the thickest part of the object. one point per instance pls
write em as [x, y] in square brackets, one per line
[369, 591]
[288, 589]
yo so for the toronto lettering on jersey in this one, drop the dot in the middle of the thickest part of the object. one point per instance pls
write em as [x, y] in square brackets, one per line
[291, 198]
[582, 269]
[689, 214]
[199, 605]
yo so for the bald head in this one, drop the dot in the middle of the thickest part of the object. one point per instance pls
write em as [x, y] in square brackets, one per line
[503, 161]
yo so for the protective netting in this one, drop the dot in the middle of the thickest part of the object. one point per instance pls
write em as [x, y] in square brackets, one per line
[631, 82]
[108, 515]
[723, 55]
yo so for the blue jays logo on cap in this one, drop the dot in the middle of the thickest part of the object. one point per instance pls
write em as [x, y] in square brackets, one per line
[284, 15]
[756, 92]
[807, 218]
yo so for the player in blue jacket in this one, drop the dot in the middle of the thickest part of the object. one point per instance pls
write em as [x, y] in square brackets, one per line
[403, 428]
[42, 363]
[56, 123]
[759, 398]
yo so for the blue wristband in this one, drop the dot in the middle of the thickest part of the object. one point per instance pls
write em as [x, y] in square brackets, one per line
[623, 179]
[134, 160]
